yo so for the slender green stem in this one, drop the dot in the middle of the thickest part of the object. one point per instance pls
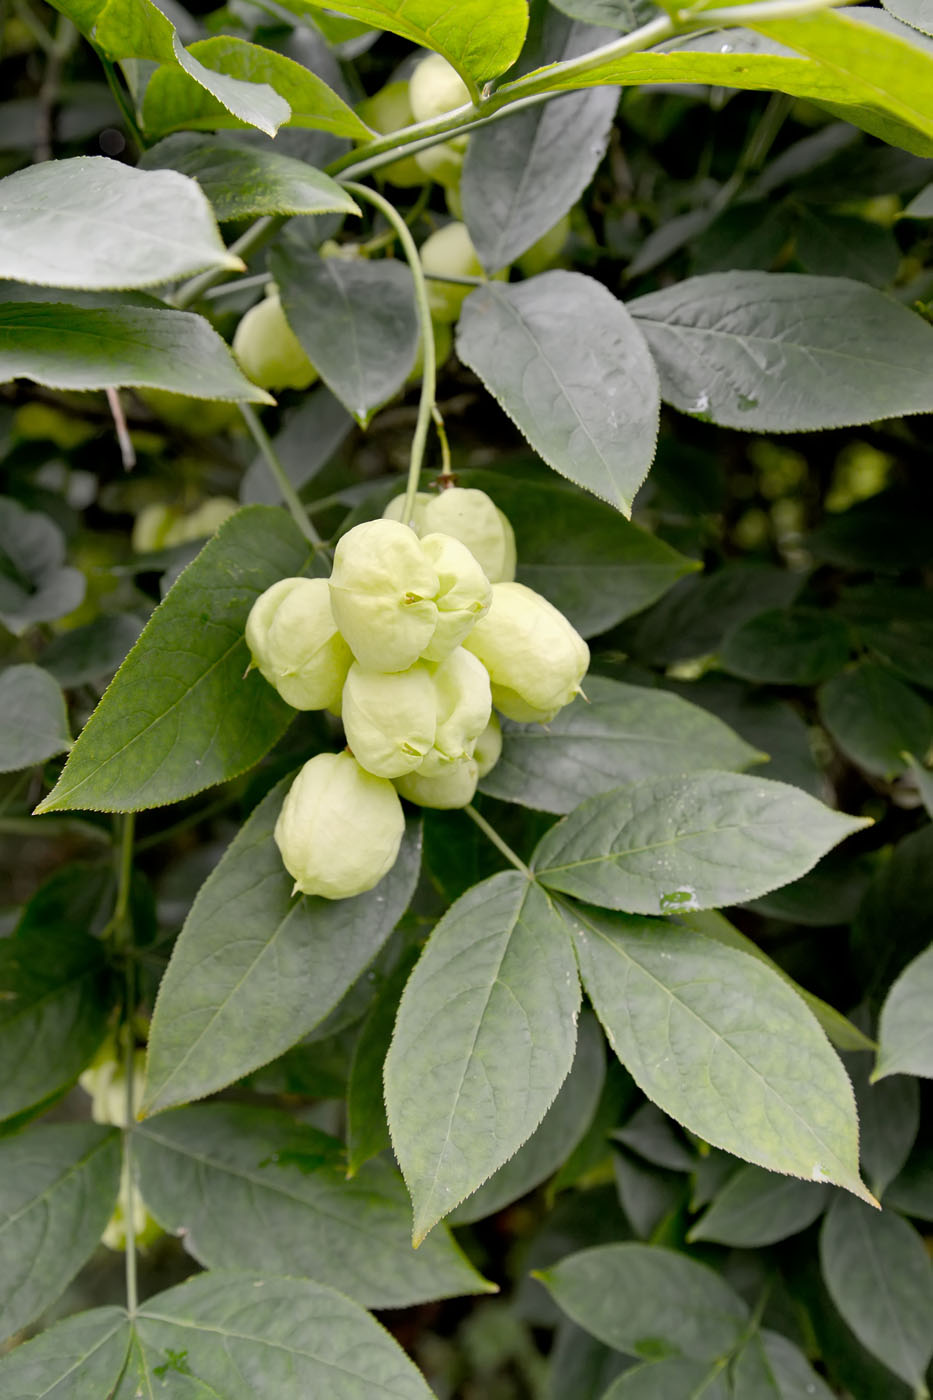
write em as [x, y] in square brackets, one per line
[498, 842]
[122, 100]
[38, 31]
[429, 357]
[255, 237]
[271, 458]
[464, 281]
[259, 279]
[759, 11]
[442, 439]
[122, 926]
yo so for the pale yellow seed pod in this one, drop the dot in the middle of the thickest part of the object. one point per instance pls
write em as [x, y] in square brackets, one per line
[395, 510]
[488, 748]
[146, 1230]
[390, 718]
[447, 252]
[269, 352]
[204, 521]
[454, 787]
[339, 829]
[476, 521]
[105, 1081]
[295, 644]
[535, 658]
[463, 597]
[435, 87]
[464, 705]
[382, 591]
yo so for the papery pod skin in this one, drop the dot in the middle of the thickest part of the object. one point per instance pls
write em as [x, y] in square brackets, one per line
[449, 252]
[389, 718]
[386, 111]
[463, 597]
[339, 829]
[443, 163]
[435, 87]
[471, 517]
[146, 1230]
[295, 644]
[382, 590]
[105, 1081]
[455, 787]
[464, 706]
[204, 521]
[535, 658]
[269, 352]
[394, 510]
[151, 527]
[488, 749]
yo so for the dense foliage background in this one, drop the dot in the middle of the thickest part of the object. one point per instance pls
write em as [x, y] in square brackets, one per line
[757, 606]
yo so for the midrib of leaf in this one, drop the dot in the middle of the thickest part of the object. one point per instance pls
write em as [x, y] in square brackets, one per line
[56, 1184]
[102, 1341]
[576, 913]
[615, 856]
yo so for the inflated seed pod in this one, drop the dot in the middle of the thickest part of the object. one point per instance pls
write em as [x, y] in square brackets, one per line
[463, 596]
[383, 590]
[464, 705]
[535, 658]
[454, 787]
[476, 521]
[396, 507]
[339, 829]
[269, 352]
[390, 718]
[295, 644]
[488, 749]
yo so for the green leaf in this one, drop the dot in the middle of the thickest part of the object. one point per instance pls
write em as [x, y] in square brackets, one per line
[722, 1045]
[356, 321]
[58, 1187]
[924, 781]
[647, 1301]
[239, 1335]
[180, 715]
[697, 842]
[899, 897]
[896, 624]
[251, 1188]
[618, 734]
[367, 1127]
[769, 1367]
[92, 222]
[227, 1006]
[66, 346]
[569, 366]
[598, 568]
[522, 175]
[880, 1278]
[875, 719]
[675, 1376]
[53, 1009]
[918, 13]
[921, 206]
[889, 1119]
[87, 653]
[243, 182]
[558, 1133]
[757, 1208]
[80, 1358]
[484, 1039]
[312, 434]
[695, 617]
[174, 99]
[906, 1028]
[838, 245]
[35, 585]
[799, 646]
[481, 38]
[35, 724]
[782, 352]
[624, 15]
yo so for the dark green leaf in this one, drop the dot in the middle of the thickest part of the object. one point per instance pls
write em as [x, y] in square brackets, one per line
[889, 1117]
[312, 434]
[81, 1358]
[245, 181]
[897, 624]
[88, 653]
[906, 1030]
[35, 585]
[837, 245]
[624, 15]
[649, 1302]
[769, 1367]
[899, 897]
[569, 366]
[697, 842]
[356, 321]
[35, 725]
[876, 719]
[676, 1376]
[251, 1188]
[695, 616]
[652, 1135]
[801, 646]
[756, 1208]
[921, 207]
[92, 222]
[227, 1005]
[721, 1044]
[367, 1127]
[880, 1278]
[484, 1039]
[620, 733]
[58, 1187]
[782, 352]
[180, 715]
[66, 346]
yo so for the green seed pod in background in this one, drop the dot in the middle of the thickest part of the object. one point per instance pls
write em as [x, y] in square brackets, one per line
[152, 525]
[476, 521]
[443, 349]
[339, 829]
[389, 718]
[204, 521]
[463, 597]
[535, 658]
[443, 163]
[146, 1230]
[394, 509]
[455, 787]
[269, 352]
[386, 111]
[105, 1081]
[435, 88]
[295, 644]
[382, 590]
[449, 252]
[463, 705]
[488, 748]
[543, 254]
